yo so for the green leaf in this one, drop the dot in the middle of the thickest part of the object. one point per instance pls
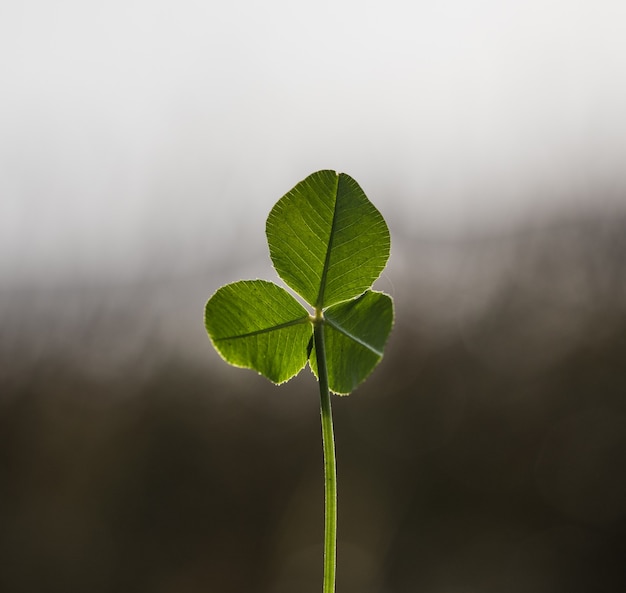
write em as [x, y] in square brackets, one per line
[355, 334]
[258, 325]
[327, 240]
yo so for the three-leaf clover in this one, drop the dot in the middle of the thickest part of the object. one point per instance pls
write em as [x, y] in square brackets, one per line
[329, 244]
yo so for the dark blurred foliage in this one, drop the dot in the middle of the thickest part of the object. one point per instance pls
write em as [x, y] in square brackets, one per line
[487, 453]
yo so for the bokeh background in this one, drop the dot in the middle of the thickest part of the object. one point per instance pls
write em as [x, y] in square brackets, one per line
[142, 145]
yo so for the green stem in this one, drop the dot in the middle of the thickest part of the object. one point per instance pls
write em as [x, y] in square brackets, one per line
[330, 466]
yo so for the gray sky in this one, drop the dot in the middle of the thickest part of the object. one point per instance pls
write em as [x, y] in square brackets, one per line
[136, 131]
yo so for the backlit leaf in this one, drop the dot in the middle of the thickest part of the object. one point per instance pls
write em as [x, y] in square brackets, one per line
[355, 333]
[327, 240]
[258, 325]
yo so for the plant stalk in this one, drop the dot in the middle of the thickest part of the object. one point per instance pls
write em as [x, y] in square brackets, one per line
[330, 465]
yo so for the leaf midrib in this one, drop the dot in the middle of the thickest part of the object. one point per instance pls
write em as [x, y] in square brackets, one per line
[351, 336]
[265, 330]
[319, 303]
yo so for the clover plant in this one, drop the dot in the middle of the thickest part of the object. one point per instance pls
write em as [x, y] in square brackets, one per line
[329, 244]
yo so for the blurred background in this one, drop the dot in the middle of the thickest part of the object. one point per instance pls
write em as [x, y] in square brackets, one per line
[142, 145]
